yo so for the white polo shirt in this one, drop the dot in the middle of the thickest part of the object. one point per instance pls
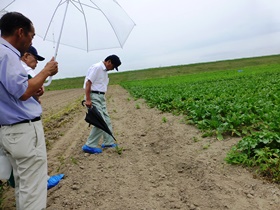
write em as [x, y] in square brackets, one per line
[98, 76]
[28, 70]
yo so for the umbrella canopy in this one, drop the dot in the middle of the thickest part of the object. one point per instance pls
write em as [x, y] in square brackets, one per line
[5, 3]
[94, 117]
[83, 24]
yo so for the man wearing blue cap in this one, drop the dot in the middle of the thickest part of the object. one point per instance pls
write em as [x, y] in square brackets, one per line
[29, 61]
[95, 85]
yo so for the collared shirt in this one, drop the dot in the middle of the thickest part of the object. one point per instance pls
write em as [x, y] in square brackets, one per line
[29, 70]
[13, 84]
[98, 76]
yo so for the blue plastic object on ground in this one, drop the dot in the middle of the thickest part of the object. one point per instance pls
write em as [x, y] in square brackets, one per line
[54, 180]
[91, 150]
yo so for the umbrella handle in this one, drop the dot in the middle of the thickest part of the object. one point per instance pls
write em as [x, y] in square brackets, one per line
[83, 102]
[49, 82]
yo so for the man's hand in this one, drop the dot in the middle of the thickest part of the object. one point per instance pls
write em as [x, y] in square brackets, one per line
[88, 103]
[41, 91]
[51, 67]
[35, 83]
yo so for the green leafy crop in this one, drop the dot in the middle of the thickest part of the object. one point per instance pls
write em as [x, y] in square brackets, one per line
[231, 102]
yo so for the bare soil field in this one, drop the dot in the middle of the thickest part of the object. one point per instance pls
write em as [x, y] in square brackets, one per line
[165, 164]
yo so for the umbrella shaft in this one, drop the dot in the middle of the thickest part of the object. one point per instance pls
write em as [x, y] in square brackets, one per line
[61, 29]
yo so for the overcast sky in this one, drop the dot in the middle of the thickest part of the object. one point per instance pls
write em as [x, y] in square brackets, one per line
[180, 32]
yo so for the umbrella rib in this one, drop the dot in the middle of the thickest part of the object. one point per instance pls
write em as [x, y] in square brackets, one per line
[86, 5]
[127, 35]
[72, 2]
[7, 6]
[83, 12]
[60, 34]
[109, 22]
[129, 18]
[59, 4]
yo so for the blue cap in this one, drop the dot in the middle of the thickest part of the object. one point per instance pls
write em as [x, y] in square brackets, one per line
[34, 52]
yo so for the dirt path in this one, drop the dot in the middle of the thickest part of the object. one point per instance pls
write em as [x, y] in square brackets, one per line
[164, 165]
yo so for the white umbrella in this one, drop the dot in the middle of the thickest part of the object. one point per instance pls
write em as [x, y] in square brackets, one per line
[83, 24]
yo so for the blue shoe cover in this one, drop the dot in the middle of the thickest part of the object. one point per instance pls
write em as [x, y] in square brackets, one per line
[108, 146]
[91, 150]
[54, 180]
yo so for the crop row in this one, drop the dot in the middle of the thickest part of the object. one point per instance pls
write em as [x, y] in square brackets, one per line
[235, 105]
[241, 103]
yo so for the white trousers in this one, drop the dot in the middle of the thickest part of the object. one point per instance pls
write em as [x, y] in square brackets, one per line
[26, 149]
